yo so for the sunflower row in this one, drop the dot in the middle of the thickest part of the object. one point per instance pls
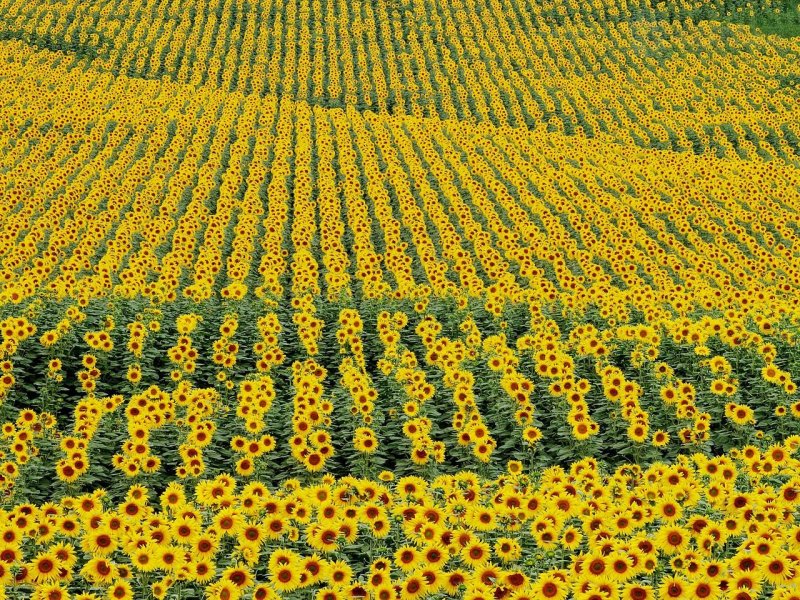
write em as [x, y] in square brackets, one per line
[652, 75]
[525, 241]
[703, 527]
[456, 379]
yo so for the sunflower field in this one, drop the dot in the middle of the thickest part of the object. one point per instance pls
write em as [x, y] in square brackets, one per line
[399, 299]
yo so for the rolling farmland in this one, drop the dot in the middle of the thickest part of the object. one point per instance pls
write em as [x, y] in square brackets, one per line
[393, 299]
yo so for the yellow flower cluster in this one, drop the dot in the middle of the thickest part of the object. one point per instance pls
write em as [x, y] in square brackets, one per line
[503, 360]
[254, 401]
[311, 444]
[197, 406]
[631, 534]
[225, 349]
[183, 353]
[19, 444]
[402, 364]
[309, 327]
[14, 331]
[88, 414]
[268, 349]
[145, 412]
[99, 340]
[447, 355]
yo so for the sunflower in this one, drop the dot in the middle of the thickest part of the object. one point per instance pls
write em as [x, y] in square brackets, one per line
[384, 592]
[571, 538]
[777, 569]
[173, 558]
[313, 568]
[245, 466]
[704, 589]
[621, 567]
[475, 553]
[67, 472]
[252, 535]
[482, 519]
[637, 591]
[65, 554]
[185, 530]
[660, 438]
[264, 592]
[120, 590]
[595, 565]
[147, 558]
[547, 585]
[285, 578]
[223, 590]
[407, 558]
[205, 545]
[673, 587]
[514, 580]
[379, 528]
[637, 432]
[531, 435]
[173, 497]
[51, 591]
[507, 549]
[202, 571]
[239, 576]
[668, 511]
[10, 553]
[434, 556]
[741, 415]
[44, 568]
[672, 539]
[159, 589]
[413, 587]
[99, 570]
[323, 538]
[228, 521]
[338, 573]
[330, 593]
